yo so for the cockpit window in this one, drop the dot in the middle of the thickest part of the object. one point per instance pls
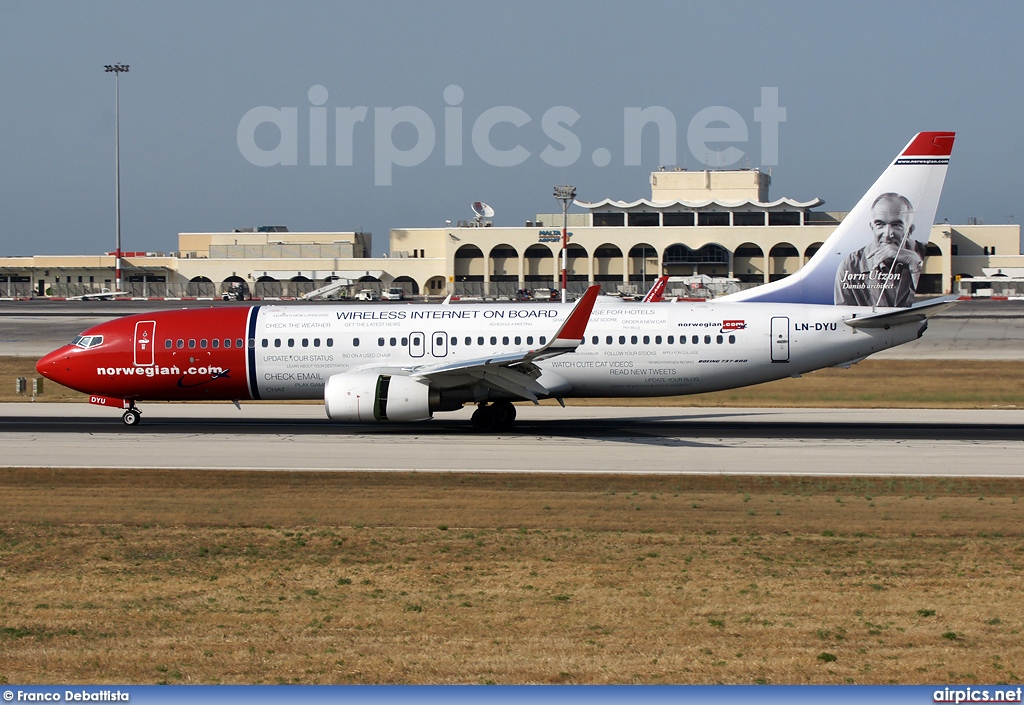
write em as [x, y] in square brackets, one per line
[87, 341]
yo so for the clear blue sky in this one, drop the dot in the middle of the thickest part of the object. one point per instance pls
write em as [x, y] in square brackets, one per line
[857, 80]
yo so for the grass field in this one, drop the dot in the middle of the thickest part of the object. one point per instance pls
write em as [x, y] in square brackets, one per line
[958, 384]
[236, 577]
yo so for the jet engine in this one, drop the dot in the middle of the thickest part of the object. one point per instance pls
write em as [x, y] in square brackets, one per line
[370, 396]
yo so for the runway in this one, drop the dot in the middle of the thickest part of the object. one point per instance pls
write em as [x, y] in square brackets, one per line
[898, 443]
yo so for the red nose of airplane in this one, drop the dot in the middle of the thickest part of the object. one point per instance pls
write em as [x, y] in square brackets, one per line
[56, 366]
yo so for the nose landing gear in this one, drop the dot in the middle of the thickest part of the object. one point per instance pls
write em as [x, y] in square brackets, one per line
[498, 416]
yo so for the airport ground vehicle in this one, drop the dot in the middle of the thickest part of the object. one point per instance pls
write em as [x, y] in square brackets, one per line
[367, 295]
[395, 293]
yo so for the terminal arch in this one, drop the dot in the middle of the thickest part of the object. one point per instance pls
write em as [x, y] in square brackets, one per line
[812, 249]
[608, 263]
[267, 287]
[436, 286]
[504, 265]
[539, 264]
[783, 260]
[299, 285]
[469, 264]
[749, 263]
[643, 262]
[408, 284]
[201, 287]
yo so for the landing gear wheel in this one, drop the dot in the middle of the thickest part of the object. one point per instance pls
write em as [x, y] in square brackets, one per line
[484, 420]
[132, 417]
[505, 414]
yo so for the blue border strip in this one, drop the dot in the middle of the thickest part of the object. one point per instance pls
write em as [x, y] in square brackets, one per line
[534, 695]
[250, 369]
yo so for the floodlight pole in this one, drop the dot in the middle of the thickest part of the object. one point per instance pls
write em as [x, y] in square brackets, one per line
[565, 195]
[117, 69]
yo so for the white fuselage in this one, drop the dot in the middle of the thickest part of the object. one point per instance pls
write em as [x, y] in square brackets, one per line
[630, 350]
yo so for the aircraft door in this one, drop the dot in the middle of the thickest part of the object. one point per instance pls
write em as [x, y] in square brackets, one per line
[439, 344]
[145, 339]
[417, 344]
[780, 339]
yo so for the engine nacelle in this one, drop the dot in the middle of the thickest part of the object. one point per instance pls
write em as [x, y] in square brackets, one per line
[370, 396]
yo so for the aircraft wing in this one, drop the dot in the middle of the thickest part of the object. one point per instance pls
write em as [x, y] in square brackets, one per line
[918, 312]
[513, 372]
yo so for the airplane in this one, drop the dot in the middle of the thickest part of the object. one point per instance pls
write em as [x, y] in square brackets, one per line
[105, 295]
[404, 363]
[653, 295]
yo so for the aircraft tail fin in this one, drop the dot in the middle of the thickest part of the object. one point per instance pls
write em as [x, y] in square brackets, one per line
[876, 255]
[657, 291]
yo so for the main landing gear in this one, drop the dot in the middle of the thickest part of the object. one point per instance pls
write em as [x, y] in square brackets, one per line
[132, 416]
[498, 416]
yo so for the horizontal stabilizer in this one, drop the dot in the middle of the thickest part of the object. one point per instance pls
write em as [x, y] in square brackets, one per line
[918, 312]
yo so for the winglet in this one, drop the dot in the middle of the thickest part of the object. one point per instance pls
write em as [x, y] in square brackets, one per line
[570, 335]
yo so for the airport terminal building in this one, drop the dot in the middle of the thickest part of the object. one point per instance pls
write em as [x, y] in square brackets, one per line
[714, 231]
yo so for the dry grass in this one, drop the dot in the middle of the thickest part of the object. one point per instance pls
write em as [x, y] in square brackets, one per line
[202, 577]
[954, 384]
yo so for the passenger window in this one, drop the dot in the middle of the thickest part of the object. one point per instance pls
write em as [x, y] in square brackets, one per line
[330, 342]
[480, 340]
[632, 339]
[504, 340]
[215, 343]
[393, 342]
[543, 340]
[167, 344]
[277, 342]
[252, 342]
[707, 340]
[191, 343]
[622, 340]
[671, 339]
[291, 342]
[405, 341]
[608, 340]
[529, 340]
[203, 343]
[455, 341]
[469, 341]
[305, 342]
[718, 339]
[380, 342]
[519, 341]
[732, 339]
[440, 341]
[647, 340]
[227, 342]
[657, 340]
[355, 342]
[316, 342]
[695, 339]
[265, 342]
[494, 340]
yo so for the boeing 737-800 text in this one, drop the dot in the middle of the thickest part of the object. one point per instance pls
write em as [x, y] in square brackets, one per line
[382, 362]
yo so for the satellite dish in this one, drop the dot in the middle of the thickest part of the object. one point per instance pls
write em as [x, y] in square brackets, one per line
[482, 210]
